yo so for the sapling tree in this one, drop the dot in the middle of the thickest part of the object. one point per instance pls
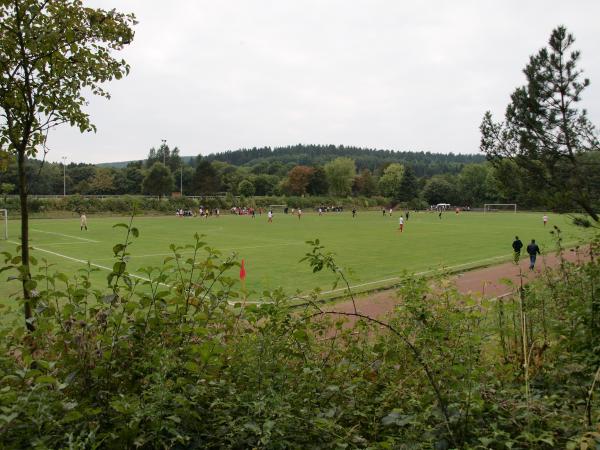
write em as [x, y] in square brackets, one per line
[52, 54]
[545, 130]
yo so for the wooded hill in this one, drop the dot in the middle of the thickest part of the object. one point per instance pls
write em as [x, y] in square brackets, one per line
[423, 163]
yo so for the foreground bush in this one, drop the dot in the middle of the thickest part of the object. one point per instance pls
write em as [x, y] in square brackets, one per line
[180, 360]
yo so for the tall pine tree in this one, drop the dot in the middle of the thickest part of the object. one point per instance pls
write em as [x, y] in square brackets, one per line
[546, 132]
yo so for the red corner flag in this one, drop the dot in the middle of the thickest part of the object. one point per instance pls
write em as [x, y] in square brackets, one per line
[242, 272]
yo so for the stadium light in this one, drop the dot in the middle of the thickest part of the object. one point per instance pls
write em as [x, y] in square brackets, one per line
[64, 159]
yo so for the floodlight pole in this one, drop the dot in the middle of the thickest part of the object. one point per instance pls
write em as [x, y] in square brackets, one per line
[64, 158]
[164, 143]
[181, 180]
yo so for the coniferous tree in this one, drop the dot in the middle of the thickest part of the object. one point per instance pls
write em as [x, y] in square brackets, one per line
[545, 131]
[409, 186]
[206, 179]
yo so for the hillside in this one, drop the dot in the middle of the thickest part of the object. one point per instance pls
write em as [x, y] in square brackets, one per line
[123, 164]
[423, 163]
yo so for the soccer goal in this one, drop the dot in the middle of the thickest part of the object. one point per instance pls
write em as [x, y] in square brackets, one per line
[500, 207]
[277, 208]
[4, 219]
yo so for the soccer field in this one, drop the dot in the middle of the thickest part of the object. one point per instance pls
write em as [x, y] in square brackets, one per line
[370, 245]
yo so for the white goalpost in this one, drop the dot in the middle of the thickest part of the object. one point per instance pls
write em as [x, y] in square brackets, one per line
[500, 207]
[278, 208]
[4, 219]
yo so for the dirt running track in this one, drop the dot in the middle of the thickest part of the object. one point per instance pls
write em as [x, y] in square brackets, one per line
[485, 282]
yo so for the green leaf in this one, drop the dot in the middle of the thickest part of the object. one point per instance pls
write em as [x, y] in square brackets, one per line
[119, 267]
[191, 366]
[118, 248]
[46, 379]
[72, 416]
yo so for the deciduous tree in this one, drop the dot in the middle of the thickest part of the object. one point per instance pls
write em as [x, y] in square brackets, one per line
[102, 182]
[265, 184]
[439, 190]
[6, 188]
[298, 179]
[364, 183]
[340, 176]
[134, 176]
[472, 184]
[389, 183]
[159, 180]
[50, 50]
[318, 184]
[246, 188]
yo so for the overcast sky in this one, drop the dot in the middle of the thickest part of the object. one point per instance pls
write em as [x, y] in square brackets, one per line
[210, 76]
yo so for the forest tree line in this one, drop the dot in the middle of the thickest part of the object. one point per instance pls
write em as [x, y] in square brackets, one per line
[412, 177]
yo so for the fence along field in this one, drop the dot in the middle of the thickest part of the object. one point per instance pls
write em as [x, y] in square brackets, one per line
[369, 246]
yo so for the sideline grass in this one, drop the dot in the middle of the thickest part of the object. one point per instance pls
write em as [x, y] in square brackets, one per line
[369, 245]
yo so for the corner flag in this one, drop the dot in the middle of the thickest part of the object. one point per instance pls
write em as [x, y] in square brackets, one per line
[242, 272]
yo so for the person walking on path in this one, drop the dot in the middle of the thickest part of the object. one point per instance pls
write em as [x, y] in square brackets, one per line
[517, 245]
[533, 250]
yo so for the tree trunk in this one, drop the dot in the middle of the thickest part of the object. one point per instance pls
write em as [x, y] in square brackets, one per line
[26, 274]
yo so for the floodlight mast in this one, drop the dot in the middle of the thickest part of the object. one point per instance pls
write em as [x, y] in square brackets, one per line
[4, 212]
[64, 159]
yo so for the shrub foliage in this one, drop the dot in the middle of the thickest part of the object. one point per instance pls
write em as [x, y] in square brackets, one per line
[179, 358]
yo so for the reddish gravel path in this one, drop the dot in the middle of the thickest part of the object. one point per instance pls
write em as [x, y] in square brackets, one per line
[486, 282]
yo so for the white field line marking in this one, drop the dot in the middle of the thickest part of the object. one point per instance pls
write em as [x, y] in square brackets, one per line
[189, 252]
[148, 256]
[64, 235]
[442, 269]
[81, 261]
[131, 275]
[65, 243]
[321, 293]
[425, 272]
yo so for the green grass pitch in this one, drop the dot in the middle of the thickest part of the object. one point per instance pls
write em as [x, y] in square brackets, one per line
[370, 245]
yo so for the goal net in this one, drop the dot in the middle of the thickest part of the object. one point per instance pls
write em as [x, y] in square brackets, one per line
[277, 208]
[500, 207]
[4, 226]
